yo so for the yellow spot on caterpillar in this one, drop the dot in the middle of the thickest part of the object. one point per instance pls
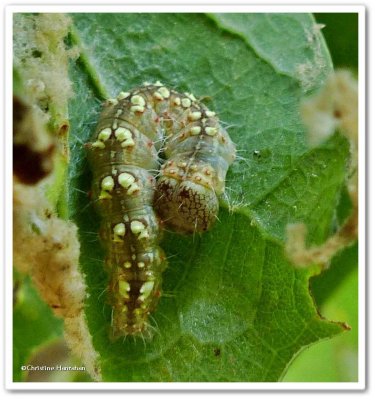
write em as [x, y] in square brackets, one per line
[139, 229]
[186, 102]
[127, 143]
[99, 144]
[108, 183]
[164, 92]
[141, 264]
[158, 96]
[195, 130]
[122, 134]
[123, 95]
[107, 186]
[104, 134]
[126, 180]
[177, 101]
[133, 189]
[210, 114]
[194, 116]
[124, 288]
[146, 290]
[127, 264]
[211, 131]
[119, 232]
[138, 100]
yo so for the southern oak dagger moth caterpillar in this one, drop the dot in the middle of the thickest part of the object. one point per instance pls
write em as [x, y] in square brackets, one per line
[124, 156]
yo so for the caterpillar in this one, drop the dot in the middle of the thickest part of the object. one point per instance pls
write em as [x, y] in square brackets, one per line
[124, 153]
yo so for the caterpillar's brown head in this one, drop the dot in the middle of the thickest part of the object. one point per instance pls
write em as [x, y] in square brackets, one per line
[186, 206]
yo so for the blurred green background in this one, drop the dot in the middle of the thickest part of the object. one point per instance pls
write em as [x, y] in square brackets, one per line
[341, 35]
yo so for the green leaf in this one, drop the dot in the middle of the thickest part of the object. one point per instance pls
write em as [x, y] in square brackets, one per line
[266, 34]
[234, 308]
